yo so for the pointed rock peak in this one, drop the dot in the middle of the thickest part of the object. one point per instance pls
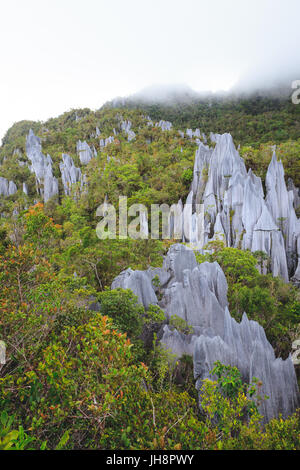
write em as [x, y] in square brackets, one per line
[274, 157]
[237, 178]
[189, 199]
[218, 227]
[32, 142]
[252, 175]
[227, 314]
[273, 165]
[31, 135]
[256, 182]
[66, 158]
[245, 318]
[265, 222]
[202, 146]
[290, 185]
[225, 139]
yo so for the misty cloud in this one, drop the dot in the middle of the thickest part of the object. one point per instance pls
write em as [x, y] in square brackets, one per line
[63, 54]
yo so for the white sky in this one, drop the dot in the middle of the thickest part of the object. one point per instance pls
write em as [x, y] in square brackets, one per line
[62, 54]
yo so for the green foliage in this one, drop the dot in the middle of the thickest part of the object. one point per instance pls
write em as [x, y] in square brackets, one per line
[122, 305]
[154, 314]
[156, 281]
[229, 379]
[80, 380]
[180, 324]
[100, 261]
[239, 265]
[251, 120]
[39, 228]
[283, 434]
[259, 157]
[268, 300]
[72, 378]
[187, 176]
[12, 439]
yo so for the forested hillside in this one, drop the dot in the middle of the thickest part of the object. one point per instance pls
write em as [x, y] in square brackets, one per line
[251, 120]
[84, 366]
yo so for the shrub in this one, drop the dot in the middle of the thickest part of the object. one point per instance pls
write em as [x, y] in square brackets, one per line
[81, 380]
[180, 324]
[122, 306]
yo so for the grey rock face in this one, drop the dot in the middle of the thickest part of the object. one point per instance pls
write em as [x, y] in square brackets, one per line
[131, 136]
[7, 188]
[191, 134]
[277, 196]
[84, 151]
[70, 174]
[201, 165]
[244, 345]
[41, 165]
[140, 284]
[178, 343]
[50, 184]
[296, 192]
[104, 142]
[149, 121]
[296, 277]
[25, 189]
[214, 137]
[235, 209]
[12, 188]
[198, 294]
[164, 125]
[126, 128]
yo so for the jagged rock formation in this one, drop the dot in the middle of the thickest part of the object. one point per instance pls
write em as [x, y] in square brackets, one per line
[7, 188]
[198, 294]
[131, 136]
[85, 152]
[225, 201]
[296, 277]
[190, 133]
[149, 121]
[164, 125]
[196, 135]
[47, 184]
[126, 127]
[70, 174]
[229, 203]
[214, 137]
[296, 192]
[296, 352]
[25, 188]
[104, 142]
[245, 346]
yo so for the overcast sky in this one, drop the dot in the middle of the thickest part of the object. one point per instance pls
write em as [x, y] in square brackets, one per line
[63, 54]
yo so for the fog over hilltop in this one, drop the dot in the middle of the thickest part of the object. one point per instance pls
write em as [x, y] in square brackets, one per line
[92, 52]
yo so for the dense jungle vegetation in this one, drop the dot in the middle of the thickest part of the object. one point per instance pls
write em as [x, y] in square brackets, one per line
[76, 378]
